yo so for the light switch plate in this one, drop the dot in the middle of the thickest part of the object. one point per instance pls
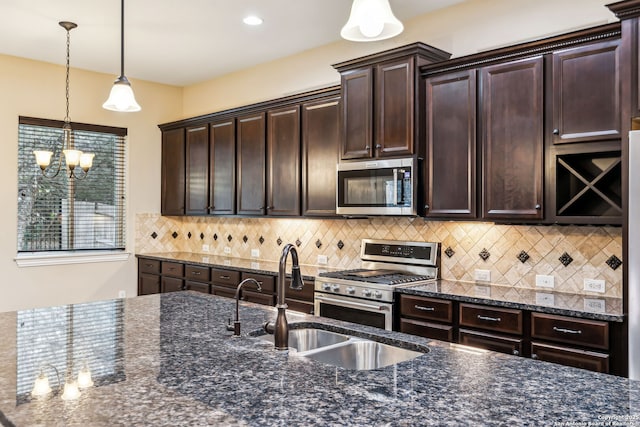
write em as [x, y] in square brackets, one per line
[595, 305]
[482, 275]
[482, 290]
[543, 298]
[227, 250]
[255, 265]
[122, 294]
[255, 253]
[322, 260]
[594, 285]
[205, 248]
[543, 281]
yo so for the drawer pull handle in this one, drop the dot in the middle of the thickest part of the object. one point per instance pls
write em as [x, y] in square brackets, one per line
[196, 273]
[149, 265]
[419, 307]
[489, 319]
[567, 331]
[225, 277]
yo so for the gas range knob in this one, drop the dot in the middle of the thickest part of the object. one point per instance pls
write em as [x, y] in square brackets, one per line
[335, 288]
[351, 290]
[366, 292]
[377, 294]
[326, 287]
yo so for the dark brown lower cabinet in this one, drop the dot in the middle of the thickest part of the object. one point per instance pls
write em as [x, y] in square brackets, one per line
[198, 287]
[223, 291]
[591, 360]
[493, 342]
[300, 306]
[258, 297]
[148, 284]
[427, 329]
[300, 299]
[171, 284]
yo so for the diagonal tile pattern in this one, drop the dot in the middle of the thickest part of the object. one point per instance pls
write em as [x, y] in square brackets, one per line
[589, 246]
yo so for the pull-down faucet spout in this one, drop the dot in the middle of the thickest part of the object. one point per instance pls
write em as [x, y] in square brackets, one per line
[281, 328]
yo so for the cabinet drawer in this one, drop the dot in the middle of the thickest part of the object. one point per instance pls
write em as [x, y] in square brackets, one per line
[225, 277]
[198, 273]
[569, 330]
[491, 342]
[150, 266]
[304, 294]
[591, 360]
[301, 306]
[267, 283]
[223, 291]
[257, 297]
[173, 269]
[171, 284]
[427, 330]
[197, 286]
[491, 319]
[426, 308]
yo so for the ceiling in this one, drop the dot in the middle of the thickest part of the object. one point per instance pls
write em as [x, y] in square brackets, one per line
[178, 42]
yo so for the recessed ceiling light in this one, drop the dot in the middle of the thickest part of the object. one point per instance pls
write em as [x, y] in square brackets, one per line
[252, 20]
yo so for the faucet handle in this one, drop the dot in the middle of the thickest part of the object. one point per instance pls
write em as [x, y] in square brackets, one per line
[229, 325]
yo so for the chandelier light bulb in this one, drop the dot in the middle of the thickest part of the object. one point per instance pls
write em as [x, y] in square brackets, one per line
[71, 391]
[41, 386]
[84, 378]
[43, 158]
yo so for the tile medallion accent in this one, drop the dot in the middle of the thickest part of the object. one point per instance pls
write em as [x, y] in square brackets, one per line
[154, 235]
[523, 256]
[261, 240]
[484, 254]
[298, 242]
[340, 244]
[189, 235]
[318, 243]
[279, 241]
[215, 236]
[565, 259]
[614, 262]
[201, 236]
[449, 252]
[174, 234]
[229, 238]
[245, 238]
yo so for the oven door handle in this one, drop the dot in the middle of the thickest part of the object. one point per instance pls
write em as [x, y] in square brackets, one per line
[352, 303]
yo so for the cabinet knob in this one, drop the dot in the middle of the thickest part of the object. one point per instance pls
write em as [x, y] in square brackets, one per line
[538, 207]
[516, 353]
[378, 146]
[366, 147]
[534, 356]
[426, 207]
[556, 131]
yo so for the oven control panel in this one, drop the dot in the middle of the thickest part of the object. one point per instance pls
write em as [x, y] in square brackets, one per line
[334, 286]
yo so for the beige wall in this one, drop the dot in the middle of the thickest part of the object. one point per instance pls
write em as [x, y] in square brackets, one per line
[463, 29]
[36, 89]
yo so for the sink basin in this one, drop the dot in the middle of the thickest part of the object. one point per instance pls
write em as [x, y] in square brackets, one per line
[362, 355]
[309, 339]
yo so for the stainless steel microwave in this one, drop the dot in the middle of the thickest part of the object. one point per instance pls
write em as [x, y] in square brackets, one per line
[377, 187]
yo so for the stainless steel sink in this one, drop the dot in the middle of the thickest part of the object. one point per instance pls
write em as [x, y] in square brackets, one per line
[304, 340]
[362, 354]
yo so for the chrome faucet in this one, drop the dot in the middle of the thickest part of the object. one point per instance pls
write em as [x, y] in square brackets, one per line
[280, 329]
[236, 324]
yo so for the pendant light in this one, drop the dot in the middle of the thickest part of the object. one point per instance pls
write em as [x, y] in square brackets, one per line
[371, 20]
[121, 97]
[72, 156]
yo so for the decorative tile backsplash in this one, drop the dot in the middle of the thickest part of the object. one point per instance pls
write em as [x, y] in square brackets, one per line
[513, 253]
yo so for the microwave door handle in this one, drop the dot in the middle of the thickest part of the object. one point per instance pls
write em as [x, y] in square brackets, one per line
[395, 187]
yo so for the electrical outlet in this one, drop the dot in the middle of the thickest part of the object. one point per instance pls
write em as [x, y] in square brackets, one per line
[594, 305]
[482, 275]
[122, 294]
[322, 260]
[255, 253]
[543, 281]
[255, 265]
[593, 285]
[227, 250]
[482, 291]
[543, 298]
[205, 248]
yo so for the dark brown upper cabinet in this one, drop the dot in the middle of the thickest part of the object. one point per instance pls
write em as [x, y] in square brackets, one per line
[173, 172]
[586, 93]
[512, 139]
[283, 161]
[251, 161]
[320, 154]
[222, 160]
[381, 101]
[450, 183]
[197, 171]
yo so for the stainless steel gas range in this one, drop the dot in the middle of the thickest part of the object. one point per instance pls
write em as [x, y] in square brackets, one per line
[366, 295]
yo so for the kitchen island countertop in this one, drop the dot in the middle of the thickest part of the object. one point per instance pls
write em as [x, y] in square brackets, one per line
[168, 359]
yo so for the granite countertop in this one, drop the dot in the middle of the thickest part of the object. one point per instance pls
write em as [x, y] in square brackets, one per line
[541, 300]
[309, 272]
[168, 359]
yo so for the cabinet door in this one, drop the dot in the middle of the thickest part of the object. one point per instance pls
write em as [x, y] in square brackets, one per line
[451, 145]
[499, 343]
[197, 172]
[591, 360]
[173, 172]
[251, 164]
[283, 161]
[222, 160]
[586, 93]
[148, 284]
[512, 140]
[394, 108]
[171, 284]
[320, 155]
[357, 113]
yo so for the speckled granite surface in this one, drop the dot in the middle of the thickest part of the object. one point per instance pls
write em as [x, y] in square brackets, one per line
[176, 364]
[542, 300]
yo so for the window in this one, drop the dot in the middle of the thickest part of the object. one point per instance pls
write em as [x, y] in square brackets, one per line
[63, 213]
